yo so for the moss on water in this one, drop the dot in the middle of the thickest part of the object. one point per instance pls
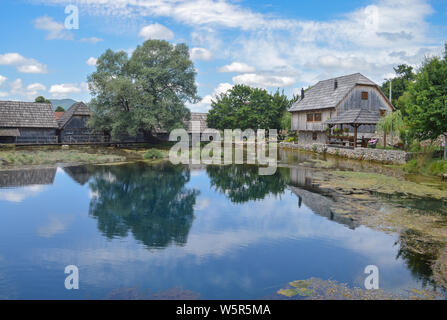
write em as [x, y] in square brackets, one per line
[383, 184]
[319, 289]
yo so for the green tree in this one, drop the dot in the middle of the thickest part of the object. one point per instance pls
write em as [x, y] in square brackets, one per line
[243, 107]
[427, 105]
[145, 92]
[404, 76]
[390, 124]
[41, 99]
[60, 109]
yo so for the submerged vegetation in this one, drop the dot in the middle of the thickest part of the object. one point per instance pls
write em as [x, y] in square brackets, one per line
[319, 289]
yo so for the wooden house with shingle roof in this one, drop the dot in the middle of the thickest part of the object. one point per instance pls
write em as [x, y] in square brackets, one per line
[73, 125]
[27, 122]
[353, 101]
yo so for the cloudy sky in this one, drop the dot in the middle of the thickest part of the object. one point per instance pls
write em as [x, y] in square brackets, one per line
[285, 44]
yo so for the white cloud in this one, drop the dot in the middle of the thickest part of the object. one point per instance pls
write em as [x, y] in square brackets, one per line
[65, 89]
[24, 65]
[91, 61]
[201, 54]
[156, 31]
[3, 94]
[264, 81]
[237, 67]
[36, 87]
[363, 40]
[205, 104]
[28, 93]
[55, 30]
[2, 79]
[93, 40]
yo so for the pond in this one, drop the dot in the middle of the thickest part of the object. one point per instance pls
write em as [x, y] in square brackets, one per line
[164, 232]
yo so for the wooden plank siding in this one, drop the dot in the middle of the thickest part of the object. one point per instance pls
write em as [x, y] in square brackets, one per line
[300, 123]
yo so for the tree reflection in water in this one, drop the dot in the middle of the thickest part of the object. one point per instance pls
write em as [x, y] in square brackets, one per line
[242, 183]
[151, 202]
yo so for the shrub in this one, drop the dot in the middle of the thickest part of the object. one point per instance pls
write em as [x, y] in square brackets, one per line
[314, 148]
[153, 154]
[412, 166]
[438, 167]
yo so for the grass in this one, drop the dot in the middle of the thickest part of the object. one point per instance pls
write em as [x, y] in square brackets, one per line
[152, 154]
[13, 158]
[426, 166]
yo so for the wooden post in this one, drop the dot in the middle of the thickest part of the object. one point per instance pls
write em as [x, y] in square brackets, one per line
[445, 146]
[355, 136]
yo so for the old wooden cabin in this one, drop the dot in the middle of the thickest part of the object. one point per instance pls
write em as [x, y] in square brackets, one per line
[351, 103]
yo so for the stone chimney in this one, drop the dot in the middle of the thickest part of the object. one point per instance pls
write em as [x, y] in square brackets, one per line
[335, 84]
[302, 93]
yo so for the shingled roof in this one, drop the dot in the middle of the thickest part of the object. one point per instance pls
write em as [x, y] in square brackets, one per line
[200, 117]
[16, 114]
[77, 109]
[323, 96]
[356, 116]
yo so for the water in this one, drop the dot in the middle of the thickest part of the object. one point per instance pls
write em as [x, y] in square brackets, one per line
[141, 231]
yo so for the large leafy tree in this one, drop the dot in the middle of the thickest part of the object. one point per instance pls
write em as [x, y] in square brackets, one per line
[243, 107]
[404, 76]
[143, 93]
[427, 100]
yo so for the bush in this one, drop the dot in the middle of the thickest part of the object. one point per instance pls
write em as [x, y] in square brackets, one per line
[153, 154]
[438, 168]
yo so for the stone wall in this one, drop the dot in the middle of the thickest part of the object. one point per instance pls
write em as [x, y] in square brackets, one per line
[307, 137]
[368, 154]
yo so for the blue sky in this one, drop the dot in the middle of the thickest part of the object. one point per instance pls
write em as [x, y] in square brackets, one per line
[268, 44]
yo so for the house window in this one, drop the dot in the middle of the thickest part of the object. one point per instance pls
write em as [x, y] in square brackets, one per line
[310, 117]
[364, 95]
[314, 136]
[317, 117]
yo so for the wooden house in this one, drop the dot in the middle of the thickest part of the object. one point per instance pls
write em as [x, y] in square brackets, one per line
[27, 123]
[73, 125]
[353, 103]
[198, 121]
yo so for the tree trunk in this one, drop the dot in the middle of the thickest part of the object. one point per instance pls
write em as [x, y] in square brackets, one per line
[445, 146]
[384, 140]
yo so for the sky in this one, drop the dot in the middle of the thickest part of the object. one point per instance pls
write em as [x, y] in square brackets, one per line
[274, 45]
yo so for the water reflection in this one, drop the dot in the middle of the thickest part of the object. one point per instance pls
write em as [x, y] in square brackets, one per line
[150, 202]
[311, 196]
[27, 177]
[242, 183]
[269, 227]
[18, 185]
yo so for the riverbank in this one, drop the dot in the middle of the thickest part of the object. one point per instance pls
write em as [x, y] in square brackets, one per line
[367, 154]
[17, 158]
